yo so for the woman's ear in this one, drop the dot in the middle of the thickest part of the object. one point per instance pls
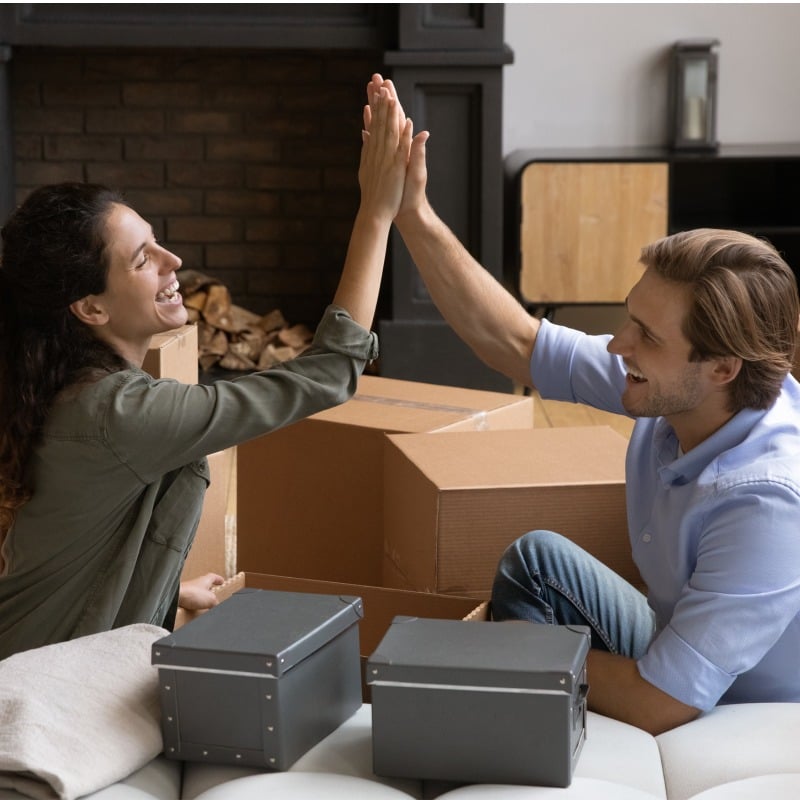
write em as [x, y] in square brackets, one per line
[89, 311]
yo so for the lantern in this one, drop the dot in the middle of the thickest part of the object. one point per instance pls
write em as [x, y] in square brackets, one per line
[693, 94]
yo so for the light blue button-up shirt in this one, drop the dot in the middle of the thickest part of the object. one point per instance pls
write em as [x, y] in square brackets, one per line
[715, 533]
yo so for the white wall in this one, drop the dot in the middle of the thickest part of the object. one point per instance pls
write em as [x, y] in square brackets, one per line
[587, 75]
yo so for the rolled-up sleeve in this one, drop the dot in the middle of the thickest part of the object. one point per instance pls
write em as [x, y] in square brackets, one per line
[738, 603]
[571, 366]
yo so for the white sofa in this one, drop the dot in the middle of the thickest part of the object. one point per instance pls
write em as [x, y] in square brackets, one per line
[732, 753]
[82, 719]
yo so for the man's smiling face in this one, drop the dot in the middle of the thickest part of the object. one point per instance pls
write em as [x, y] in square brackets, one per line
[661, 381]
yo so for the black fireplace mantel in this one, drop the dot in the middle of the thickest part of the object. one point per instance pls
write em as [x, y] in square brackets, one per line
[446, 59]
[249, 25]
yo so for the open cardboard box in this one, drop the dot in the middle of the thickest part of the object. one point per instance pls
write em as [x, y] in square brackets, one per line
[453, 502]
[214, 545]
[310, 496]
[174, 354]
[381, 605]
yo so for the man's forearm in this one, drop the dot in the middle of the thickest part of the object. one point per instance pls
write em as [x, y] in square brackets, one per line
[478, 308]
[617, 690]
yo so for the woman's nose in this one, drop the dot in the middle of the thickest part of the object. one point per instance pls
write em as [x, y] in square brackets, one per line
[170, 261]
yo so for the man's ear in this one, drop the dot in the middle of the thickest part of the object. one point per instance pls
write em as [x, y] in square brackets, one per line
[89, 311]
[726, 369]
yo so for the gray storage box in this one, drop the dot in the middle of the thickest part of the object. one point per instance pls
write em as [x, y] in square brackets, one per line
[479, 702]
[260, 678]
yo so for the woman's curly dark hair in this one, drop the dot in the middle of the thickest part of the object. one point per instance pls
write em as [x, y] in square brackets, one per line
[54, 253]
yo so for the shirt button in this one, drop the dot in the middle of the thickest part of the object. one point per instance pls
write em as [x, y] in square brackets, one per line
[647, 537]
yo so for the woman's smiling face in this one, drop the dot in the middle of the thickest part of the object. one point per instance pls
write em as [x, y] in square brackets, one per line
[141, 297]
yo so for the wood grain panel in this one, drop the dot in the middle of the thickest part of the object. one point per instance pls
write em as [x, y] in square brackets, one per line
[583, 227]
[557, 414]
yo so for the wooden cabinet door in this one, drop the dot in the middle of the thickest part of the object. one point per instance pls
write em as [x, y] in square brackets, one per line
[583, 227]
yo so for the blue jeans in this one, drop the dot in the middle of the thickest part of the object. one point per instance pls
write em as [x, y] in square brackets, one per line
[543, 577]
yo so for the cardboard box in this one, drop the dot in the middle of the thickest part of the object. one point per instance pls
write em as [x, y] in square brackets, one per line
[214, 546]
[259, 679]
[442, 689]
[454, 502]
[310, 496]
[380, 606]
[174, 354]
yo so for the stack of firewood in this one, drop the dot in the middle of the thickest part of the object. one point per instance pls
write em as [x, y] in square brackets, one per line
[232, 337]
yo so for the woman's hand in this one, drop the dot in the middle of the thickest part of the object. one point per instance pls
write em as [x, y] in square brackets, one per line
[196, 594]
[386, 143]
[416, 177]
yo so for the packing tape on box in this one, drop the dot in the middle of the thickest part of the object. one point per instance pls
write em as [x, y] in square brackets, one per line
[479, 416]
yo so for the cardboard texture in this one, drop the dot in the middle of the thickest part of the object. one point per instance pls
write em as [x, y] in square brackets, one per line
[310, 496]
[259, 679]
[174, 354]
[442, 689]
[214, 546]
[380, 606]
[454, 502]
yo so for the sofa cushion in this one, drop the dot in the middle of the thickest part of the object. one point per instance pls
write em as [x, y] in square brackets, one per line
[730, 743]
[579, 789]
[621, 753]
[768, 787]
[302, 786]
[160, 778]
[346, 751]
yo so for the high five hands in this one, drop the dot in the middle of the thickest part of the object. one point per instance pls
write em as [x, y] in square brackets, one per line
[383, 103]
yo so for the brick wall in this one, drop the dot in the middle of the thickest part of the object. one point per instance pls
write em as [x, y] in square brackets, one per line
[244, 162]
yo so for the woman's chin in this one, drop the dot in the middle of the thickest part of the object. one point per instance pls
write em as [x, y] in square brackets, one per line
[174, 316]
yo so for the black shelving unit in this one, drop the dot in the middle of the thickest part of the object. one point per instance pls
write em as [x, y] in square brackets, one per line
[751, 188]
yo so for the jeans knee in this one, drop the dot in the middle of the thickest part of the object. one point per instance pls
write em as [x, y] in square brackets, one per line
[526, 548]
[521, 557]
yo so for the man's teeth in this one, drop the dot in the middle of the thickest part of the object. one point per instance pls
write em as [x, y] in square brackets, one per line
[169, 292]
[635, 374]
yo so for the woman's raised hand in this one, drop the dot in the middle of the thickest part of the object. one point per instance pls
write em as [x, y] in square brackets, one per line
[386, 144]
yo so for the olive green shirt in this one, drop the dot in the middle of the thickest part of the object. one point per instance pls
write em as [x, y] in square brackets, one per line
[119, 480]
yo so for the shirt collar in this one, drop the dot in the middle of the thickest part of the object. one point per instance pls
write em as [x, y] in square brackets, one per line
[678, 471]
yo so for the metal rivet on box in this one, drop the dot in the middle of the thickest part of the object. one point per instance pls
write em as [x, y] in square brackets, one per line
[167, 688]
[205, 752]
[172, 749]
[268, 696]
[158, 654]
[238, 755]
[282, 660]
[169, 719]
[272, 761]
[374, 672]
[563, 681]
[269, 663]
[270, 728]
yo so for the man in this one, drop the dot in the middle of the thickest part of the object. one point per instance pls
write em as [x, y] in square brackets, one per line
[713, 466]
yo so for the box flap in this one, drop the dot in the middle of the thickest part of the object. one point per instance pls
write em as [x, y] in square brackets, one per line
[508, 458]
[488, 654]
[397, 406]
[258, 631]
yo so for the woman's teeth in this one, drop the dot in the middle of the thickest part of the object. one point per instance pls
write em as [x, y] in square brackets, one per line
[168, 293]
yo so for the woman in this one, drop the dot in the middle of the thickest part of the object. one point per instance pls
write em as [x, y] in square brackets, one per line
[102, 468]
